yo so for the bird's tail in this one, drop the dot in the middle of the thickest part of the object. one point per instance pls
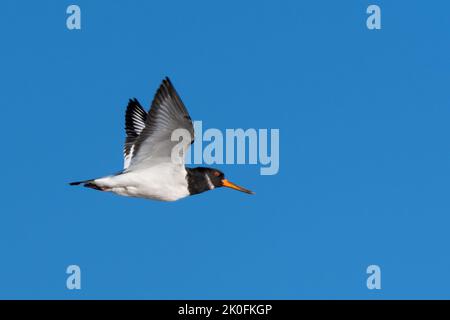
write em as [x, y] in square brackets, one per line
[87, 183]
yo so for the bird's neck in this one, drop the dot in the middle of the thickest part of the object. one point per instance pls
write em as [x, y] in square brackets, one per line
[198, 181]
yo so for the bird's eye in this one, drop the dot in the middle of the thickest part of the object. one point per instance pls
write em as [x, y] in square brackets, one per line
[216, 173]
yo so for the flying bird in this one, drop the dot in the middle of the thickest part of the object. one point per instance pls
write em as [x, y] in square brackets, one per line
[149, 170]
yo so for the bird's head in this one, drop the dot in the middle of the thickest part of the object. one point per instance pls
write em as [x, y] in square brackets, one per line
[217, 178]
[203, 179]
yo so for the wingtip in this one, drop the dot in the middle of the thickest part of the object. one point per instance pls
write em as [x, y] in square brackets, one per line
[133, 102]
[167, 82]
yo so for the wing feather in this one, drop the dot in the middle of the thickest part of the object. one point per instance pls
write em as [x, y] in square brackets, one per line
[135, 119]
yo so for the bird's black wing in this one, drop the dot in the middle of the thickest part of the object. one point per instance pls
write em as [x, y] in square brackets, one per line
[135, 119]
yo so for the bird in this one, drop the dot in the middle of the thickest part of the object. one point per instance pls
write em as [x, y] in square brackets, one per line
[149, 170]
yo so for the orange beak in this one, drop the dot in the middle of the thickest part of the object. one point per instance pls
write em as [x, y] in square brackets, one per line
[228, 184]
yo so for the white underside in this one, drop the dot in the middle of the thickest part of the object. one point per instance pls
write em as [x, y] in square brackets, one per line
[165, 182]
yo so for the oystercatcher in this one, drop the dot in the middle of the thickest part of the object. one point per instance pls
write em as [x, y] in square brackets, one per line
[149, 169]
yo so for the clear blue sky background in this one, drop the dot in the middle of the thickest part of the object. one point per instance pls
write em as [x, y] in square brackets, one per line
[364, 151]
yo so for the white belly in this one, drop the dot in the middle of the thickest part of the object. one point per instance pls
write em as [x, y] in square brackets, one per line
[166, 182]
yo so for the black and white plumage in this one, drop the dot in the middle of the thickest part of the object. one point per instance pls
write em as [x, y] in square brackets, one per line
[149, 170]
[135, 118]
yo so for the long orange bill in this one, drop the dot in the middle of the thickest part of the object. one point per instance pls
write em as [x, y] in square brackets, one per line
[231, 185]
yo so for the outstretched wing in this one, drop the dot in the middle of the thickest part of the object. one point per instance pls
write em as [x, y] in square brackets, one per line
[135, 118]
[154, 145]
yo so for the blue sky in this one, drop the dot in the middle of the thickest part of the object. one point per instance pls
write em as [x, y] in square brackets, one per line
[364, 156]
